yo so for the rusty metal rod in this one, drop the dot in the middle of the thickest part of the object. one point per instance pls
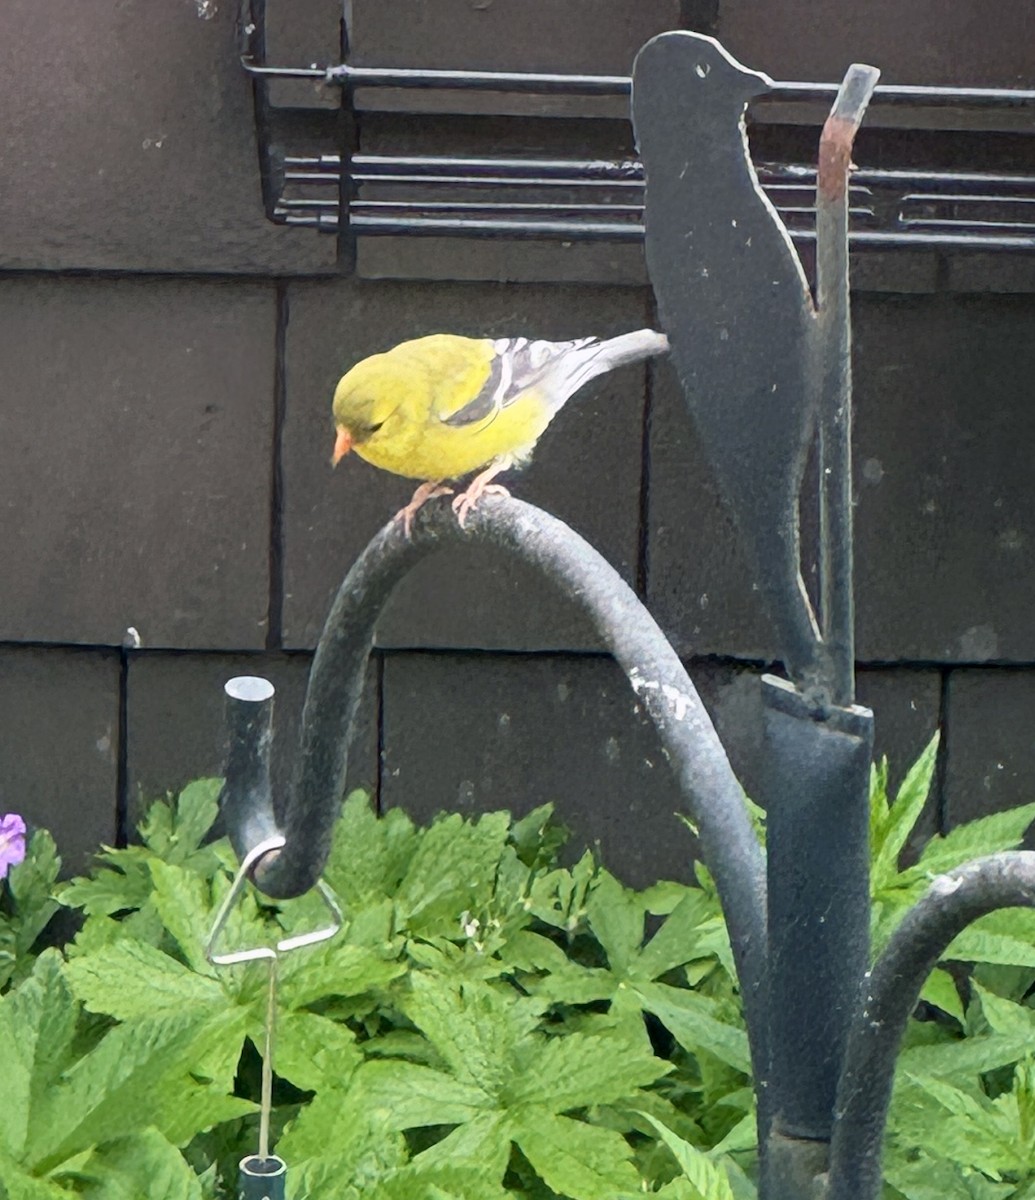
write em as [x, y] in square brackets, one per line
[837, 604]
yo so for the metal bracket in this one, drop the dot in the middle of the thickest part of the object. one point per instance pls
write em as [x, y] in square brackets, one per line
[227, 958]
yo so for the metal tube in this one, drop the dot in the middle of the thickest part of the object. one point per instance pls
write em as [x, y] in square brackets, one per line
[835, 406]
[859, 239]
[890, 993]
[619, 85]
[261, 1178]
[247, 806]
[818, 899]
[571, 231]
[709, 787]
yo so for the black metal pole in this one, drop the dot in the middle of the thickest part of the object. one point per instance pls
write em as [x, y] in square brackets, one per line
[890, 993]
[706, 780]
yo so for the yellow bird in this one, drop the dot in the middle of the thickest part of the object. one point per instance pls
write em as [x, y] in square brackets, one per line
[442, 407]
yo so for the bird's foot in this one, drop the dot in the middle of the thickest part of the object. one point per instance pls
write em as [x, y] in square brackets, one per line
[426, 491]
[463, 503]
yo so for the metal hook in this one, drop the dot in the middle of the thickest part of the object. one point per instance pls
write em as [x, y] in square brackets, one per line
[248, 863]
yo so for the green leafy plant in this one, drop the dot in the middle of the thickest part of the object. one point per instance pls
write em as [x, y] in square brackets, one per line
[489, 1024]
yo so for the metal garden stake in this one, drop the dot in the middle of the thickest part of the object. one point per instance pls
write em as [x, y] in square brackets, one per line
[262, 1176]
[764, 369]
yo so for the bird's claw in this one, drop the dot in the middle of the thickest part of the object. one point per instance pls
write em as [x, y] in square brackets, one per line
[468, 500]
[426, 492]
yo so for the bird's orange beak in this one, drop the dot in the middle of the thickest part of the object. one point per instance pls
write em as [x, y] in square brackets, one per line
[342, 445]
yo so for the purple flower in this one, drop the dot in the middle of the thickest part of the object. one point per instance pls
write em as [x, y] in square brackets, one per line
[12, 842]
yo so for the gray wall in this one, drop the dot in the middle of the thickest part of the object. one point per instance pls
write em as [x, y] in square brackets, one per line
[167, 362]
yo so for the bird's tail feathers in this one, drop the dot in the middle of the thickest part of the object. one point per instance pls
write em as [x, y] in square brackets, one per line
[586, 361]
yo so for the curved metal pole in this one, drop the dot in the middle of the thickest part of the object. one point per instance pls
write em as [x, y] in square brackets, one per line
[706, 780]
[892, 988]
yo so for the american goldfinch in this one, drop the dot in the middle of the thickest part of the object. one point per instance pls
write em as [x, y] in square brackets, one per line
[442, 407]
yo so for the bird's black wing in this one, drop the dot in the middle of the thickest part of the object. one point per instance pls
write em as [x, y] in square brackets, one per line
[517, 365]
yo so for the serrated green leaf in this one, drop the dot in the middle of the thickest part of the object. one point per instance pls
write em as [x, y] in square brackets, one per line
[880, 805]
[483, 1140]
[709, 1181]
[117, 1087]
[537, 837]
[18, 1184]
[341, 1125]
[903, 815]
[675, 943]
[965, 1056]
[975, 944]
[195, 812]
[143, 1164]
[615, 915]
[558, 897]
[31, 886]
[128, 979]
[1004, 1016]
[579, 1070]
[369, 854]
[336, 968]
[405, 1095]
[577, 1160]
[106, 893]
[37, 1025]
[181, 900]
[427, 1180]
[662, 897]
[940, 990]
[926, 1178]
[985, 835]
[452, 870]
[473, 1026]
[183, 1108]
[311, 1051]
[696, 1023]
[532, 952]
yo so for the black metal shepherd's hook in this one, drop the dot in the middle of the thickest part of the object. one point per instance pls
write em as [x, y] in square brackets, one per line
[763, 368]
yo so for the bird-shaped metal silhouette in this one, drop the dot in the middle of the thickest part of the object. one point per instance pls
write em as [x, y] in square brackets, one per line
[736, 305]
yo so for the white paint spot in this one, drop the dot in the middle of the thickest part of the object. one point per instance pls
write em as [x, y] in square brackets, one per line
[207, 9]
[680, 701]
[563, 691]
[612, 750]
[503, 722]
[945, 885]
[701, 70]
[702, 600]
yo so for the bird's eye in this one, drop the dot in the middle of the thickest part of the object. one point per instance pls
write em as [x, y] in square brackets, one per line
[375, 428]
